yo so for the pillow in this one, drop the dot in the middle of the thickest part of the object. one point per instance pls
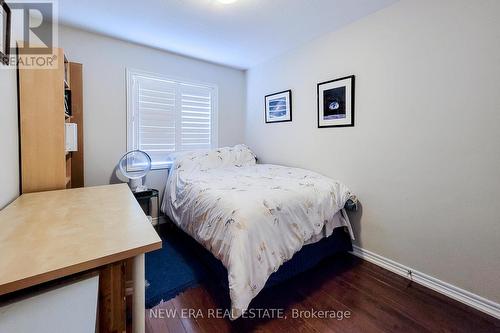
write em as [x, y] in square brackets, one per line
[239, 155]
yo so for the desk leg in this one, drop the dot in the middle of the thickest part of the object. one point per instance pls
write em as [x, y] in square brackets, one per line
[139, 296]
[112, 298]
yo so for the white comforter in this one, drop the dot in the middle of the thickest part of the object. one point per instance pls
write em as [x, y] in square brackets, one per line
[252, 217]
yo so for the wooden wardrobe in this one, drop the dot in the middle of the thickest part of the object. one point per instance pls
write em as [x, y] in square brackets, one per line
[44, 163]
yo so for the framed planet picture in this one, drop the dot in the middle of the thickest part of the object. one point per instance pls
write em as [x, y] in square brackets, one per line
[279, 107]
[336, 103]
[4, 32]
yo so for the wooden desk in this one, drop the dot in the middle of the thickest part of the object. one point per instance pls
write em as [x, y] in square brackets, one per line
[51, 235]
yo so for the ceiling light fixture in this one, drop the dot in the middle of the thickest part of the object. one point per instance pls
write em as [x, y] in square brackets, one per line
[227, 2]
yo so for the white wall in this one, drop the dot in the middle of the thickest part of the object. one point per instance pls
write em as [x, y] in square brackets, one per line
[9, 151]
[424, 156]
[104, 62]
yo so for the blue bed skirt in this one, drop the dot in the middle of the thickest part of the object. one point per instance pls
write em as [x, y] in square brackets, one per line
[308, 257]
[311, 255]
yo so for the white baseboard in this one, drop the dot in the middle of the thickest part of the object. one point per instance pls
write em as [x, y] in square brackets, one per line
[463, 296]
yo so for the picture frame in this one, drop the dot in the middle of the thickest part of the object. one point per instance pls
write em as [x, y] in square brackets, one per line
[336, 102]
[5, 17]
[278, 107]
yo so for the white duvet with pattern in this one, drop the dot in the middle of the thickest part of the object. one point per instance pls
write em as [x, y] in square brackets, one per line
[252, 217]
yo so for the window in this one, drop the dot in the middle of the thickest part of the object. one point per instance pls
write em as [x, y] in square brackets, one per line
[166, 115]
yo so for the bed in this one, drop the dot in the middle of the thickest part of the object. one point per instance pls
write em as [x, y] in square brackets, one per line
[252, 217]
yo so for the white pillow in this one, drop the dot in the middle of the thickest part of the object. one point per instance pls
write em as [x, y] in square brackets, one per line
[239, 155]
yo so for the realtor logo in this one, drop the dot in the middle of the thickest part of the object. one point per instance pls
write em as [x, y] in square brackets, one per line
[33, 33]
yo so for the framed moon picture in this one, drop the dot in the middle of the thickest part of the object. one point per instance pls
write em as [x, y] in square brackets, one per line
[279, 107]
[336, 103]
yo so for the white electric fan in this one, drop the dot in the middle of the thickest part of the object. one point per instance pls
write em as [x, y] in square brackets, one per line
[135, 165]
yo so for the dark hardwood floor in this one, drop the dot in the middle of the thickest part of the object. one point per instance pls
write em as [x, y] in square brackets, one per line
[377, 300]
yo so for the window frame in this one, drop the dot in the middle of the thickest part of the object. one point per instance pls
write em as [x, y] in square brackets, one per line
[132, 132]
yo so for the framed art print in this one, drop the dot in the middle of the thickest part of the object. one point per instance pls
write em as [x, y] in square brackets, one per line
[279, 107]
[4, 32]
[336, 103]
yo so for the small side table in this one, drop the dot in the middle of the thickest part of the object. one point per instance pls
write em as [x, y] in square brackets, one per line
[144, 198]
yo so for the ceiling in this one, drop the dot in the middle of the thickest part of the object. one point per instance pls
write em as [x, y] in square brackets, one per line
[241, 35]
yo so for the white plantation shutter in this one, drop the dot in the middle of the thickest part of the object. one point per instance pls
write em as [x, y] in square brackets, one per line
[154, 118]
[166, 115]
[196, 117]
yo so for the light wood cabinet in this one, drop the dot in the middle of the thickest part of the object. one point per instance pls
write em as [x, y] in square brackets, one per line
[76, 77]
[45, 164]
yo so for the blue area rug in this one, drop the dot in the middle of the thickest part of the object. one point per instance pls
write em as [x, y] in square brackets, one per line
[172, 269]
